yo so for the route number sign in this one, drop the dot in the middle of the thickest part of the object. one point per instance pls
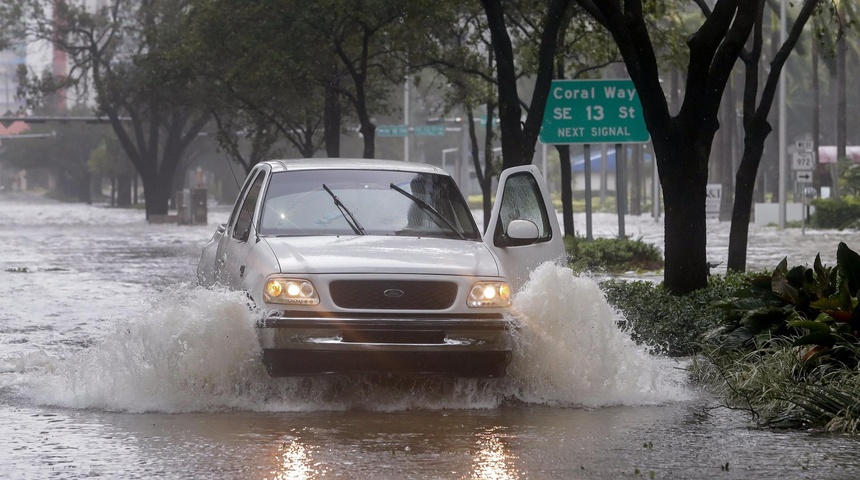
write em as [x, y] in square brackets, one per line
[802, 161]
[593, 111]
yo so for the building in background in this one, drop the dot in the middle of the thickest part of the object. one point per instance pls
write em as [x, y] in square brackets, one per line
[10, 61]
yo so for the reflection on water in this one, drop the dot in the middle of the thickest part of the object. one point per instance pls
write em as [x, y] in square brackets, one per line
[493, 459]
[295, 462]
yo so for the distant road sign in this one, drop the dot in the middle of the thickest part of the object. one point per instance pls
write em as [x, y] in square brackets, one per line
[804, 145]
[430, 130]
[713, 198]
[392, 130]
[802, 161]
[803, 176]
[483, 120]
[593, 111]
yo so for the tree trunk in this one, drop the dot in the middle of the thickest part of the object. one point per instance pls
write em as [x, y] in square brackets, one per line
[331, 121]
[486, 179]
[368, 132]
[518, 137]
[682, 159]
[685, 227]
[756, 131]
[841, 118]
[566, 189]
[744, 185]
[510, 110]
[123, 192]
[85, 187]
[157, 192]
[485, 173]
[685, 237]
[774, 114]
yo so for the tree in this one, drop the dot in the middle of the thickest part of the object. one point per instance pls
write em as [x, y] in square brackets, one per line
[460, 53]
[846, 14]
[109, 159]
[371, 40]
[553, 40]
[63, 150]
[682, 142]
[581, 51]
[520, 137]
[152, 102]
[756, 126]
[267, 89]
[456, 47]
[318, 63]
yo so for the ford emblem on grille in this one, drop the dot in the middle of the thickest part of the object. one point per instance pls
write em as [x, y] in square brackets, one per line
[393, 293]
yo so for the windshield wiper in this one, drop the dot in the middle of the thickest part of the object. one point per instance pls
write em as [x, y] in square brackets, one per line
[350, 218]
[429, 209]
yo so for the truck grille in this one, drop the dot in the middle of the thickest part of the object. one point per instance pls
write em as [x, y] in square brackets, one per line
[393, 294]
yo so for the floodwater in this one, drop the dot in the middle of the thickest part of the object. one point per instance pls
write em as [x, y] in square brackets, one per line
[113, 364]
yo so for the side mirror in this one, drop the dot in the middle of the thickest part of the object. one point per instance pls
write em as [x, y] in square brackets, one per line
[521, 232]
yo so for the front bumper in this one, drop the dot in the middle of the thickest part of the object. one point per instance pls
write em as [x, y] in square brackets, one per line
[477, 346]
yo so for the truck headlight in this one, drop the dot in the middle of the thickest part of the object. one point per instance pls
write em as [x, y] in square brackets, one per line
[293, 291]
[490, 294]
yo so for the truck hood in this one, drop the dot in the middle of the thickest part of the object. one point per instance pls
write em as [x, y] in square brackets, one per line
[382, 254]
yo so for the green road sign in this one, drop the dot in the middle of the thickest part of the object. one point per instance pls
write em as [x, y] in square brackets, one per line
[593, 111]
[483, 120]
[430, 130]
[392, 130]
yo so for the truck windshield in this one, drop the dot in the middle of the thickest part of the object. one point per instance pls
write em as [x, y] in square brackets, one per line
[297, 204]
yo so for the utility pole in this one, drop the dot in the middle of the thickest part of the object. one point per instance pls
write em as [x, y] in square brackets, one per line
[782, 126]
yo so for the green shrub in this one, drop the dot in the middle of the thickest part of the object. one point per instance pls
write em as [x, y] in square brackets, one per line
[671, 325]
[612, 254]
[841, 214]
[788, 346]
[781, 389]
[815, 307]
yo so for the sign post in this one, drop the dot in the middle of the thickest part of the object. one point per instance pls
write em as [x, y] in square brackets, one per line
[595, 111]
[586, 157]
[803, 163]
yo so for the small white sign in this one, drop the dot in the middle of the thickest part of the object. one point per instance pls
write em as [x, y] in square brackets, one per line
[803, 145]
[714, 193]
[802, 161]
[803, 176]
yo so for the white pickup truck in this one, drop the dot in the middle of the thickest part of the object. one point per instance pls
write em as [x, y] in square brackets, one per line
[378, 265]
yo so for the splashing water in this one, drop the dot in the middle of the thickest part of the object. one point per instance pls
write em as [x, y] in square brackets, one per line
[195, 349]
[571, 351]
[192, 349]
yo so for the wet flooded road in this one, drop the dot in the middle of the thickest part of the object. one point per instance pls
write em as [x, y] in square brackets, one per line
[674, 441]
[113, 364]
